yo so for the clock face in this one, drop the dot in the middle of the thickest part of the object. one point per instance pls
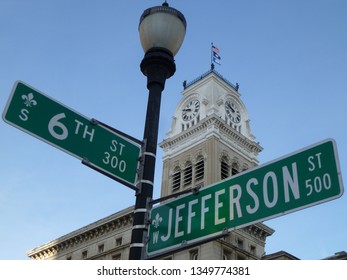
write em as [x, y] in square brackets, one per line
[190, 110]
[232, 111]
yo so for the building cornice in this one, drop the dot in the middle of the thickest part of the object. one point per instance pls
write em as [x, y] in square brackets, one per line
[212, 125]
[259, 230]
[86, 234]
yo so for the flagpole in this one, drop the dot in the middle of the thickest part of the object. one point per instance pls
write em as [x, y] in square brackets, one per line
[212, 65]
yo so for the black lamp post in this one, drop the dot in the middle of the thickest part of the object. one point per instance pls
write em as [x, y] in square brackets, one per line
[162, 30]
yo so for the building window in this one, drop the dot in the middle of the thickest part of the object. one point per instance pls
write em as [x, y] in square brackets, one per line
[199, 169]
[253, 250]
[84, 255]
[176, 179]
[119, 241]
[101, 248]
[226, 254]
[239, 243]
[116, 257]
[225, 168]
[194, 255]
[234, 169]
[188, 174]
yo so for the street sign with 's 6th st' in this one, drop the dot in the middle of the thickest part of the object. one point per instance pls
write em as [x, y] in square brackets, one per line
[296, 181]
[97, 145]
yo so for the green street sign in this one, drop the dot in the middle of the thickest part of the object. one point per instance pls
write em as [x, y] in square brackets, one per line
[99, 146]
[296, 181]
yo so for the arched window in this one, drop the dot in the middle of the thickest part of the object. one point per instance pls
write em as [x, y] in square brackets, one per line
[188, 174]
[176, 179]
[234, 169]
[199, 169]
[194, 255]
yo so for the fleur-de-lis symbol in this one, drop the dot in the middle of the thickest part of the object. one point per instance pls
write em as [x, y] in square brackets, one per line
[29, 100]
[157, 220]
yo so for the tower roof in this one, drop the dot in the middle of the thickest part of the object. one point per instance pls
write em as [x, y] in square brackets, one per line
[212, 70]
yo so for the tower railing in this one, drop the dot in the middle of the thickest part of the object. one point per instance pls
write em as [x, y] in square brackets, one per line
[212, 70]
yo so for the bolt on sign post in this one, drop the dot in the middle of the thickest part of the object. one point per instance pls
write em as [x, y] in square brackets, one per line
[99, 146]
[291, 183]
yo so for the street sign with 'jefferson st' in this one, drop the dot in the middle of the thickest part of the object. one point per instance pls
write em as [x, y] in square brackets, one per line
[299, 180]
[97, 145]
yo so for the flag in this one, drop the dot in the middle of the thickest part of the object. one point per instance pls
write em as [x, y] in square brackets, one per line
[215, 55]
[214, 49]
[216, 60]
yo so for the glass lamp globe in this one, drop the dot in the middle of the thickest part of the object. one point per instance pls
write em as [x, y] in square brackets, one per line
[162, 27]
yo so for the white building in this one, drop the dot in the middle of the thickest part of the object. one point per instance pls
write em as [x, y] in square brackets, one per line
[209, 140]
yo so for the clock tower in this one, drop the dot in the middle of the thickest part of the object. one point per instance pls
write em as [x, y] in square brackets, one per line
[209, 140]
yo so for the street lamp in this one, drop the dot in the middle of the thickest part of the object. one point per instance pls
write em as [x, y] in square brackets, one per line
[162, 30]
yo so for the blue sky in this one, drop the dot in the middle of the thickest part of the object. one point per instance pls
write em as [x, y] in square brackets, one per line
[289, 57]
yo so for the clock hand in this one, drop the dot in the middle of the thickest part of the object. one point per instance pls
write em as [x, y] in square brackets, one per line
[231, 108]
